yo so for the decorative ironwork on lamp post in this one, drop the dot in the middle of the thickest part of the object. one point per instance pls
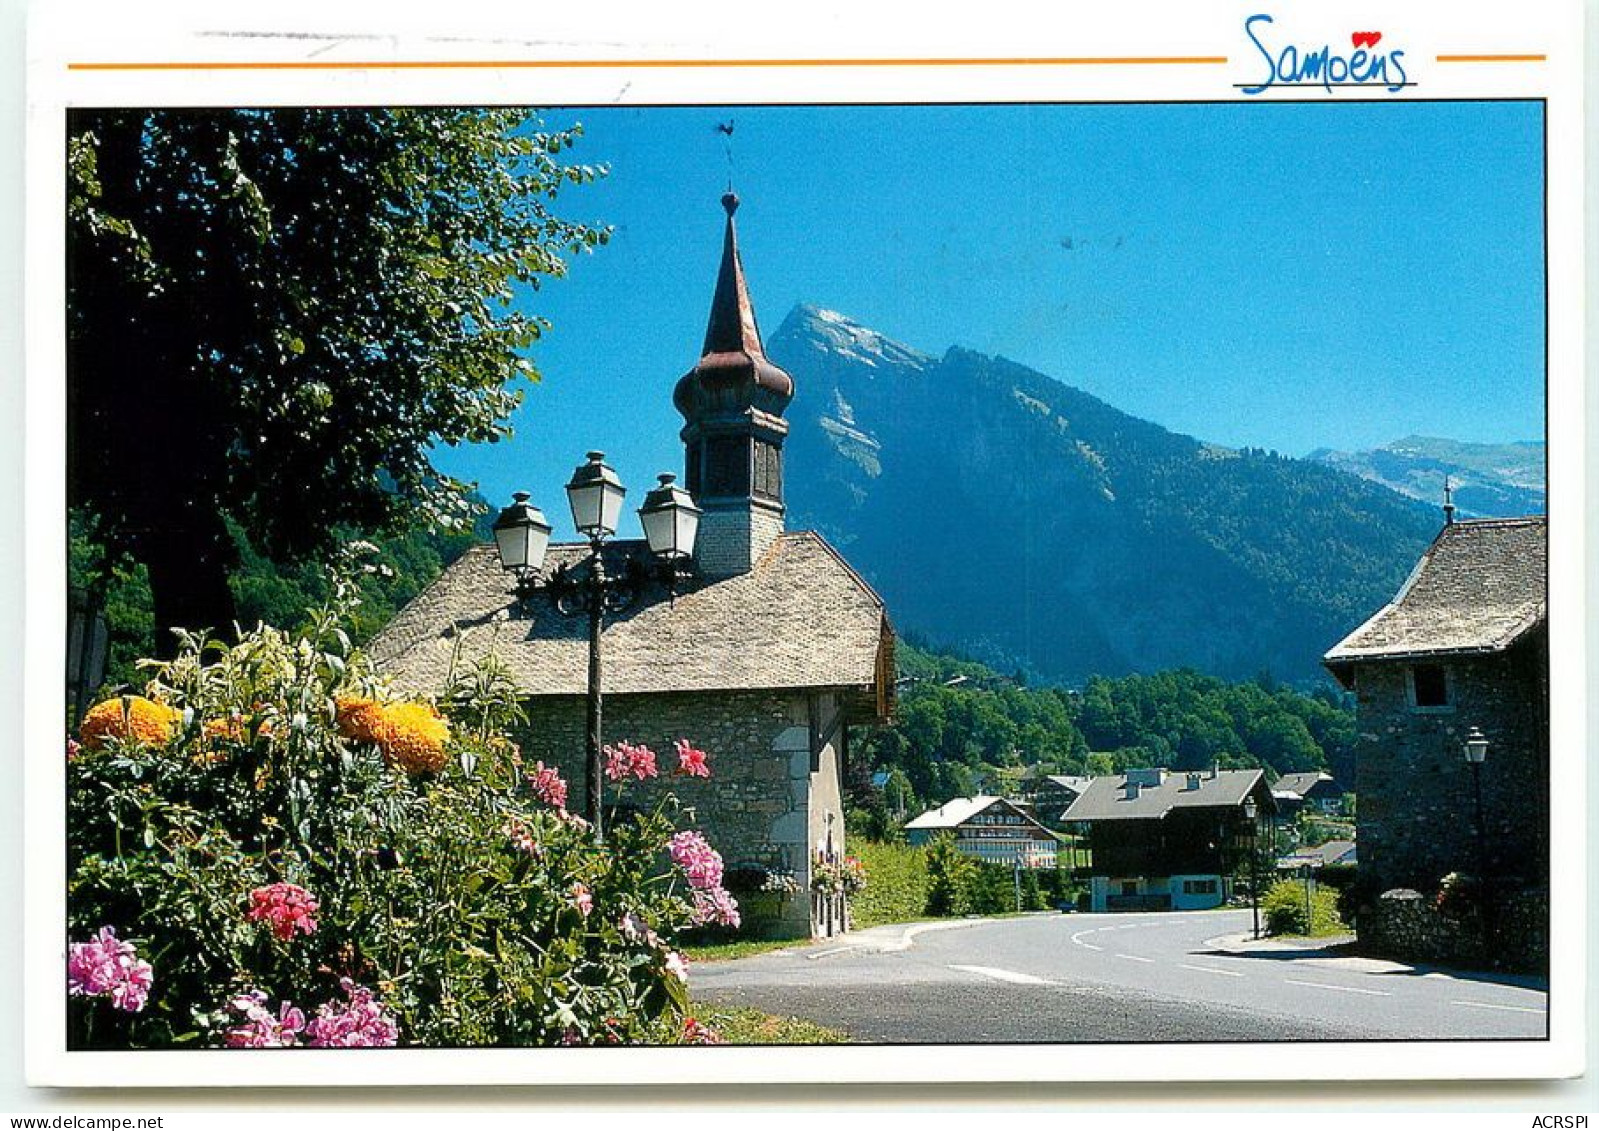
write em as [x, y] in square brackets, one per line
[595, 493]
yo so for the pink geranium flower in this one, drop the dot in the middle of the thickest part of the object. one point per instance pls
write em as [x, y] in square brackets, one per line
[583, 899]
[522, 838]
[286, 908]
[361, 1022]
[677, 966]
[691, 762]
[714, 905]
[627, 760]
[703, 864]
[259, 1029]
[548, 785]
[108, 967]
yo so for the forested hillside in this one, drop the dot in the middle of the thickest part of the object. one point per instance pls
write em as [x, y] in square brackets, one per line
[963, 728]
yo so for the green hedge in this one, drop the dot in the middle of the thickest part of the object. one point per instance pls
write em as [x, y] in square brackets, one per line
[1284, 910]
[896, 884]
[932, 881]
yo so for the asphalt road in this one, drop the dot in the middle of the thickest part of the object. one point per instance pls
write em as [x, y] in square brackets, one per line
[1094, 978]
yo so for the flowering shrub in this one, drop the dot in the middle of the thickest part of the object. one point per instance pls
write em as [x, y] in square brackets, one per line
[106, 967]
[285, 908]
[1458, 896]
[259, 1028]
[410, 736]
[548, 786]
[781, 882]
[691, 762]
[131, 719]
[843, 876]
[626, 761]
[314, 862]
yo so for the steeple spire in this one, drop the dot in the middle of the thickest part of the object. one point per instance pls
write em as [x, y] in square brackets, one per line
[732, 403]
[1449, 502]
[733, 352]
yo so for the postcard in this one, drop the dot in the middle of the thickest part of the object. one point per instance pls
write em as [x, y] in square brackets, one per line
[780, 551]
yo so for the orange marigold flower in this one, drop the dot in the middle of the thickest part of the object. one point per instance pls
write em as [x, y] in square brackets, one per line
[358, 718]
[135, 719]
[230, 729]
[412, 737]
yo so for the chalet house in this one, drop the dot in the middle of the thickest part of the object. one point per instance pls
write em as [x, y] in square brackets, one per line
[1464, 643]
[1054, 794]
[764, 658]
[1318, 790]
[1334, 852]
[1166, 841]
[987, 828]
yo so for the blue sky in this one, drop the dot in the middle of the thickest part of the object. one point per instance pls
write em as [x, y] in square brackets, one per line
[1287, 276]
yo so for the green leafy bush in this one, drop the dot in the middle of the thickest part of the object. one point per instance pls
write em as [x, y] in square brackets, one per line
[1283, 907]
[950, 876]
[264, 834]
[896, 884]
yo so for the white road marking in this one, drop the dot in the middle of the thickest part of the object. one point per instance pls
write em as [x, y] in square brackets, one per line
[814, 955]
[1135, 958]
[1509, 1008]
[1004, 975]
[1212, 970]
[1090, 946]
[1345, 989]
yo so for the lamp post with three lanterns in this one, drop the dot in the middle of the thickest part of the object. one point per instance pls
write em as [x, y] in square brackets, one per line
[595, 493]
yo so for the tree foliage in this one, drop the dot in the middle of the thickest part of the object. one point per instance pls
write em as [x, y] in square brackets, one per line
[962, 728]
[391, 572]
[273, 316]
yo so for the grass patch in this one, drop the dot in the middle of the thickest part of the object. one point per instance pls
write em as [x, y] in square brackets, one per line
[740, 948]
[740, 1026]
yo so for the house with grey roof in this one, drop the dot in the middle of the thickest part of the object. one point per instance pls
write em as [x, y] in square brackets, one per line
[1315, 788]
[764, 657]
[1052, 794]
[1318, 856]
[987, 828]
[1162, 840]
[1463, 644]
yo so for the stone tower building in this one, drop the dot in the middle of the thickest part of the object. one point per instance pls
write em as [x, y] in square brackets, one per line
[732, 404]
[1465, 643]
[765, 658]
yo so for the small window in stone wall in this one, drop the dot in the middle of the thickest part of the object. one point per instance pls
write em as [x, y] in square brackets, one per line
[1429, 688]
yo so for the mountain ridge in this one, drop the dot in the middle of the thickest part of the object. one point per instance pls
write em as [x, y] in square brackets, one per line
[1042, 529]
[1488, 480]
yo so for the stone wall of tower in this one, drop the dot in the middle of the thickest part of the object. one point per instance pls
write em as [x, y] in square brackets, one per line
[733, 536]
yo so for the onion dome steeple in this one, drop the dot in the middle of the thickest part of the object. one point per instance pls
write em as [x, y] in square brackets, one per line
[733, 366]
[732, 404]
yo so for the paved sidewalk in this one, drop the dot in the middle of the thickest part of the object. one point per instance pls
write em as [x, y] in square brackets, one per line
[1337, 952]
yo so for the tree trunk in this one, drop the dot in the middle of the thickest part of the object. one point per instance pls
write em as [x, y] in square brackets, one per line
[189, 568]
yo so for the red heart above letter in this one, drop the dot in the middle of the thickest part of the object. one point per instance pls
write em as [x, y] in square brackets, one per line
[1365, 38]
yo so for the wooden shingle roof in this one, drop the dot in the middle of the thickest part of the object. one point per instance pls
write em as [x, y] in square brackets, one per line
[1478, 588]
[802, 618]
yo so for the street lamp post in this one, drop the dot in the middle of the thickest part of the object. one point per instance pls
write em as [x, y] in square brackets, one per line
[1475, 749]
[1252, 814]
[595, 493]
